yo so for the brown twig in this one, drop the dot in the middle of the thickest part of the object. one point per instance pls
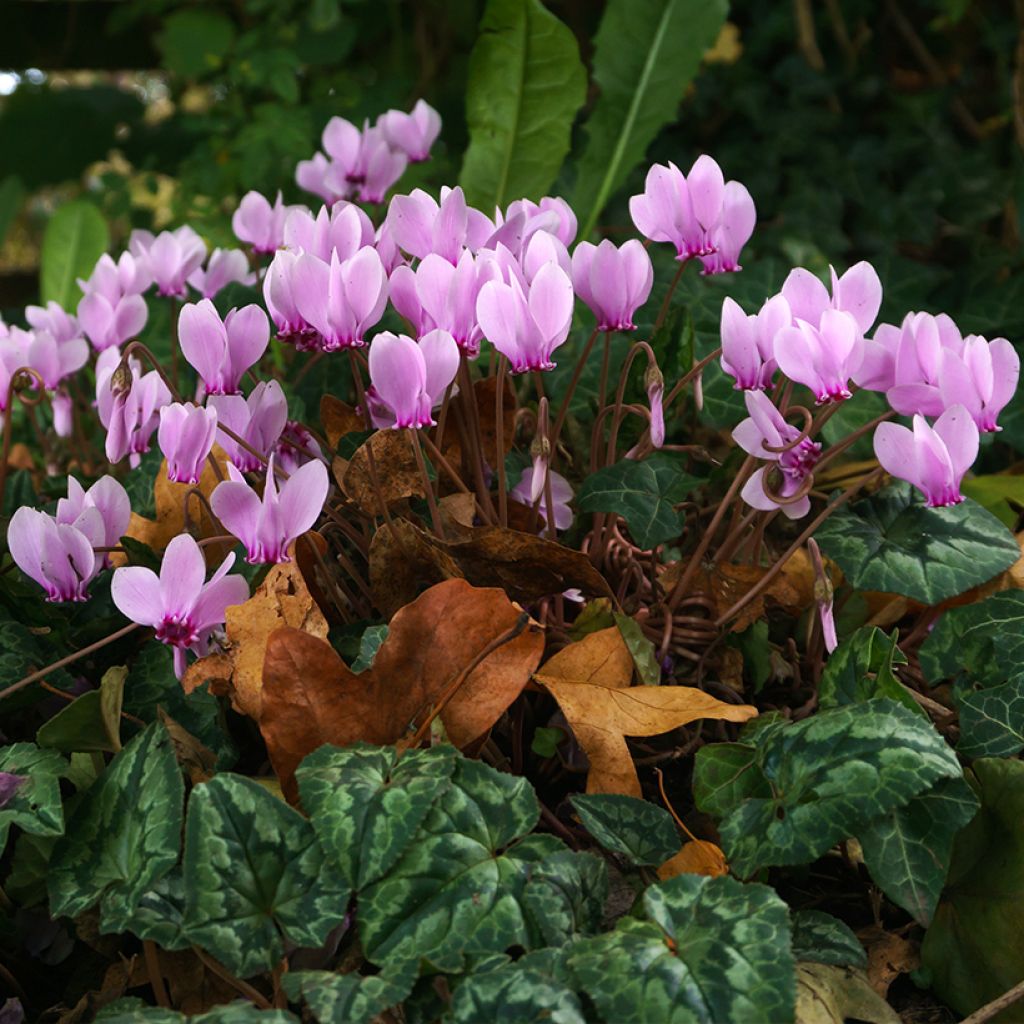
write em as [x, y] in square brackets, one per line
[990, 1010]
[236, 983]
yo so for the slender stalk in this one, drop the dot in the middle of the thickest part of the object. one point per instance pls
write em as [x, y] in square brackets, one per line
[663, 312]
[472, 447]
[63, 662]
[156, 978]
[577, 372]
[499, 434]
[236, 983]
[428, 487]
[18, 374]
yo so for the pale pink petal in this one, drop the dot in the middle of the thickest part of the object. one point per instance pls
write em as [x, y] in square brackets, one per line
[137, 595]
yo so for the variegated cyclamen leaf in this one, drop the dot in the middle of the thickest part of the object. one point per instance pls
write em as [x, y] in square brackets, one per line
[134, 1011]
[641, 831]
[351, 998]
[366, 804]
[124, 835]
[254, 872]
[830, 775]
[992, 720]
[825, 939]
[32, 800]
[725, 774]
[514, 995]
[458, 888]
[908, 850]
[713, 950]
[160, 913]
[860, 668]
[566, 895]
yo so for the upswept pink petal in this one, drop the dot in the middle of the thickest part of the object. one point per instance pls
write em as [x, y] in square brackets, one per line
[25, 536]
[410, 219]
[203, 341]
[366, 288]
[302, 498]
[310, 280]
[441, 362]
[798, 358]
[181, 575]
[958, 432]
[1005, 373]
[808, 298]
[916, 399]
[248, 335]
[399, 376]
[237, 506]
[551, 304]
[217, 596]
[741, 355]
[448, 231]
[342, 140]
[136, 594]
[859, 292]
[497, 312]
[706, 186]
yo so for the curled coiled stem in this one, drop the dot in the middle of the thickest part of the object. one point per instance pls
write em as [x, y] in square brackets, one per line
[776, 496]
[805, 431]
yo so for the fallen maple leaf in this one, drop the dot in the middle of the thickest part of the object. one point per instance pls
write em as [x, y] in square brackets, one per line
[311, 697]
[282, 599]
[602, 710]
[697, 857]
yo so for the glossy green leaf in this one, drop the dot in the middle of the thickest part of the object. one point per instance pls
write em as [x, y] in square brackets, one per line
[714, 949]
[861, 668]
[75, 238]
[645, 54]
[907, 850]
[645, 658]
[514, 995]
[351, 998]
[825, 939]
[35, 806]
[256, 875]
[26, 883]
[526, 83]
[366, 804]
[566, 895]
[369, 645]
[124, 835]
[91, 722]
[643, 493]
[642, 832]
[829, 775]
[992, 720]
[458, 887]
[160, 913]
[995, 494]
[891, 541]
[724, 774]
[974, 949]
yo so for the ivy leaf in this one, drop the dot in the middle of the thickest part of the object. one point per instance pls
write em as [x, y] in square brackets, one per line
[645, 54]
[124, 835]
[825, 939]
[642, 832]
[891, 541]
[34, 804]
[725, 774]
[566, 894]
[973, 948]
[861, 668]
[714, 949]
[907, 850]
[829, 775]
[256, 875]
[76, 237]
[514, 995]
[366, 804]
[643, 493]
[992, 720]
[91, 722]
[526, 83]
[351, 998]
[454, 891]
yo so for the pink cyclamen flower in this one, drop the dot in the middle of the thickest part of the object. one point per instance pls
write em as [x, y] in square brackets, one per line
[762, 435]
[380, 166]
[655, 383]
[561, 495]
[128, 276]
[106, 496]
[268, 525]
[748, 342]
[312, 176]
[171, 257]
[408, 378]
[278, 293]
[222, 350]
[983, 379]
[858, 292]
[182, 609]
[552, 214]
[933, 459]
[731, 231]
[111, 312]
[186, 435]
[527, 325]
[823, 596]
[258, 419]
[54, 320]
[258, 223]
[419, 225]
[296, 446]
[58, 556]
[341, 299]
[822, 358]
[343, 229]
[223, 267]
[54, 361]
[613, 282]
[131, 414]
[412, 133]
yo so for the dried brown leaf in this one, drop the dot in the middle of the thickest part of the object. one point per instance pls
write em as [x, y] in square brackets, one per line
[600, 659]
[393, 475]
[697, 857]
[338, 419]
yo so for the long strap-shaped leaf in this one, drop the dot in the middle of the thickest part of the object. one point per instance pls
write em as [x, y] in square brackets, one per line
[646, 54]
[526, 83]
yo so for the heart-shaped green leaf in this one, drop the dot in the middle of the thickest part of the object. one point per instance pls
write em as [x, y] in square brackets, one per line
[33, 803]
[352, 998]
[640, 831]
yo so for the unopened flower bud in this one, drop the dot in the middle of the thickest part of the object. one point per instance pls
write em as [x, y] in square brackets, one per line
[121, 380]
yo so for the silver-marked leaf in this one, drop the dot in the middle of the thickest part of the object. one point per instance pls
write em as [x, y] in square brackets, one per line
[645, 658]
[351, 998]
[891, 541]
[132, 1010]
[526, 83]
[514, 995]
[713, 950]
[454, 891]
[366, 804]
[241, 1012]
[860, 668]
[643, 493]
[907, 850]
[255, 872]
[829, 776]
[124, 835]
[992, 720]
[32, 801]
[369, 644]
[825, 939]
[160, 913]
[642, 832]
[724, 774]
[566, 894]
